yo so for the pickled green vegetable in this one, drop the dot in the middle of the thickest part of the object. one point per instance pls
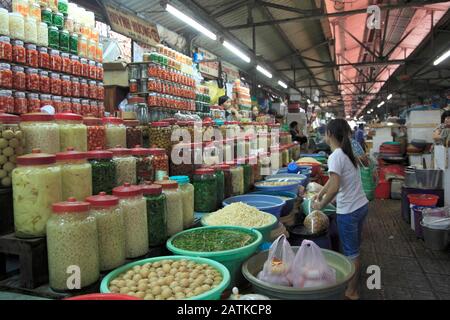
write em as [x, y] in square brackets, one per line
[73, 43]
[103, 175]
[248, 175]
[63, 7]
[64, 40]
[156, 219]
[205, 197]
[220, 188]
[53, 37]
[47, 16]
[58, 20]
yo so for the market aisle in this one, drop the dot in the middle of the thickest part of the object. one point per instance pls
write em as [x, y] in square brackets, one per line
[408, 269]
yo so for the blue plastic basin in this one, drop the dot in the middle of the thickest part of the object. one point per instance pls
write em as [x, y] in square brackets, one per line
[289, 203]
[289, 188]
[302, 179]
[269, 204]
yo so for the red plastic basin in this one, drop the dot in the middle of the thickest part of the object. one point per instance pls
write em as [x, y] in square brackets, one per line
[103, 296]
[423, 200]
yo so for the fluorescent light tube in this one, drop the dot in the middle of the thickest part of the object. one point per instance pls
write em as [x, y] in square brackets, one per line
[309, 101]
[236, 51]
[281, 83]
[180, 15]
[264, 71]
[442, 58]
[389, 97]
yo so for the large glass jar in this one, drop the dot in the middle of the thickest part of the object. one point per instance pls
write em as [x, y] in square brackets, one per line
[58, 20]
[36, 186]
[285, 155]
[182, 159]
[160, 135]
[256, 168]
[160, 163]
[53, 37]
[227, 150]
[20, 102]
[16, 26]
[134, 133]
[11, 146]
[174, 206]
[4, 22]
[134, 209]
[276, 157]
[35, 11]
[6, 101]
[32, 56]
[187, 191]
[30, 30]
[96, 135]
[264, 164]
[125, 166]
[47, 16]
[42, 35]
[63, 6]
[111, 230]
[72, 240]
[205, 185]
[156, 214]
[5, 49]
[103, 171]
[32, 79]
[296, 151]
[76, 174]
[144, 164]
[237, 179]
[40, 132]
[72, 131]
[18, 52]
[220, 179]
[6, 76]
[73, 43]
[116, 132]
[248, 174]
[82, 46]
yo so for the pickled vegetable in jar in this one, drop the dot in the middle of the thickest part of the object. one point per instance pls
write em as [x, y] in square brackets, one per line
[103, 171]
[220, 179]
[76, 173]
[47, 16]
[16, 26]
[72, 239]
[63, 7]
[96, 135]
[160, 163]
[53, 4]
[19, 78]
[35, 11]
[31, 32]
[64, 36]
[93, 70]
[94, 108]
[32, 56]
[99, 52]
[156, 214]
[92, 49]
[69, 24]
[205, 185]
[111, 230]
[133, 85]
[84, 67]
[134, 133]
[116, 132]
[237, 179]
[57, 104]
[125, 165]
[183, 155]
[82, 47]
[100, 91]
[66, 105]
[92, 89]
[85, 107]
[5, 49]
[160, 135]
[174, 206]
[66, 86]
[32, 79]
[100, 71]
[58, 20]
[187, 192]
[6, 76]
[73, 43]
[55, 83]
[75, 87]
[36, 186]
[248, 174]
[33, 103]
[42, 34]
[66, 63]
[6, 101]
[40, 132]
[44, 58]
[4, 22]
[55, 61]
[76, 66]
[11, 146]
[72, 131]
[20, 102]
[18, 52]
[46, 100]
[76, 107]
[144, 164]
[53, 37]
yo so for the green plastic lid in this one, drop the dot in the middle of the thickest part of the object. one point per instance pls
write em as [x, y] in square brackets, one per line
[182, 180]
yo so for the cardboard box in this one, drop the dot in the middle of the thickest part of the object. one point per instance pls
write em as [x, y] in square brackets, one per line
[116, 74]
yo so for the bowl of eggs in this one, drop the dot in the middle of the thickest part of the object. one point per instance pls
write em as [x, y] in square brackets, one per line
[169, 278]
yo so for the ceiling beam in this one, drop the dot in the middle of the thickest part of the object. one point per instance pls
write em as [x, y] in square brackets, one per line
[299, 52]
[288, 9]
[356, 64]
[226, 9]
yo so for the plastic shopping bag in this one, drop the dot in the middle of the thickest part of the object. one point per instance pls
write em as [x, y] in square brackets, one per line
[310, 269]
[278, 264]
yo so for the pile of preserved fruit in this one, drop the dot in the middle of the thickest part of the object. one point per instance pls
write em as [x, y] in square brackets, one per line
[11, 146]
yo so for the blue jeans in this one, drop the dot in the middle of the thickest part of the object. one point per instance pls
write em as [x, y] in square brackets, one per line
[350, 228]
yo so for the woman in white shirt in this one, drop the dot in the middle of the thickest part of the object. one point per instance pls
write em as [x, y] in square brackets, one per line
[352, 204]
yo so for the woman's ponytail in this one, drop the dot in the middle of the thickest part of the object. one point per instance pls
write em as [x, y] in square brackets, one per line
[340, 130]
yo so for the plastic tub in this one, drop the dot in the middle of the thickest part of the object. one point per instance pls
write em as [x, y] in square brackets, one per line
[435, 239]
[103, 296]
[232, 259]
[344, 272]
[423, 200]
[289, 203]
[287, 177]
[294, 187]
[213, 294]
[269, 204]
[298, 233]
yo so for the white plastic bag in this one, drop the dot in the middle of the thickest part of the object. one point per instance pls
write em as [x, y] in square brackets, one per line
[310, 269]
[278, 264]
[313, 187]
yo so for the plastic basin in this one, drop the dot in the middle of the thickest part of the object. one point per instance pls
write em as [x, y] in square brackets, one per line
[213, 294]
[269, 204]
[231, 259]
[264, 230]
[344, 272]
[289, 203]
[328, 210]
[103, 296]
[423, 200]
[315, 167]
[302, 179]
[294, 187]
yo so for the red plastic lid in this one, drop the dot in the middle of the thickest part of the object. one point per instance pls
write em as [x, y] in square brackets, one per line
[274, 125]
[230, 164]
[224, 167]
[113, 120]
[151, 189]
[183, 123]
[71, 205]
[157, 151]
[207, 123]
[204, 171]
[91, 121]
[139, 151]
[71, 154]
[9, 118]
[160, 124]
[127, 190]
[231, 122]
[68, 116]
[131, 123]
[103, 200]
[37, 117]
[99, 154]
[119, 151]
[167, 184]
[171, 121]
[136, 100]
[36, 158]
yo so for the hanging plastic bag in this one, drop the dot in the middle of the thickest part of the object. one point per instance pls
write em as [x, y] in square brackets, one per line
[278, 264]
[310, 269]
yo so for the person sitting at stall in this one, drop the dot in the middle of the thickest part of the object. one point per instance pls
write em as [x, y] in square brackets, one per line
[296, 134]
[441, 134]
[231, 113]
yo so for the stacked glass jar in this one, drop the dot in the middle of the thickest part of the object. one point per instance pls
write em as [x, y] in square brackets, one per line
[11, 146]
[134, 133]
[160, 135]
[116, 132]
[40, 132]
[72, 131]
[144, 164]
[187, 191]
[156, 214]
[205, 185]
[96, 133]
[125, 165]
[103, 171]
[160, 163]
[174, 198]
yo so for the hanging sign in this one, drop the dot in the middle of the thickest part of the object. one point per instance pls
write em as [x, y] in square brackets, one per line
[132, 26]
[231, 71]
[209, 64]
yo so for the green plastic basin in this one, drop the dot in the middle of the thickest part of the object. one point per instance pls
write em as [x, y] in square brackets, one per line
[265, 230]
[213, 294]
[231, 259]
[344, 272]
[328, 210]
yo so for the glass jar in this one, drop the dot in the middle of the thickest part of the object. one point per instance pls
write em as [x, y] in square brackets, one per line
[92, 70]
[32, 56]
[66, 63]
[160, 135]
[187, 192]
[84, 88]
[256, 168]
[73, 43]
[36, 186]
[133, 86]
[66, 105]
[144, 164]
[40, 132]
[248, 174]
[96, 133]
[42, 35]
[19, 78]
[44, 58]
[57, 104]
[174, 199]
[134, 133]
[82, 46]
[84, 67]
[6, 49]
[53, 4]
[53, 37]
[205, 185]
[76, 66]
[101, 91]
[11, 147]
[103, 171]
[99, 52]
[220, 179]
[72, 239]
[55, 83]
[134, 210]
[75, 89]
[116, 132]
[33, 102]
[156, 214]
[92, 49]
[63, 7]
[111, 230]
[94, 108]
[20, 102]
[30, 30]
[46, 100]
[64, 38]
[76, 174]
[276, 157]
[125, 165]
[285, 156]
[6, 76]
[264, 164]
[86, 107]
[72, 131]
[4, 22]
[35, 11]
[77, 109]
[32, 79]
[16, 26]
[92, 89]
[66, 86]
[47, 16]
[55, 61]
[182, 156]
[237, 179]
[100, 71]
[6, 101]
[160, 163]
[18, 52]
[58, 20]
